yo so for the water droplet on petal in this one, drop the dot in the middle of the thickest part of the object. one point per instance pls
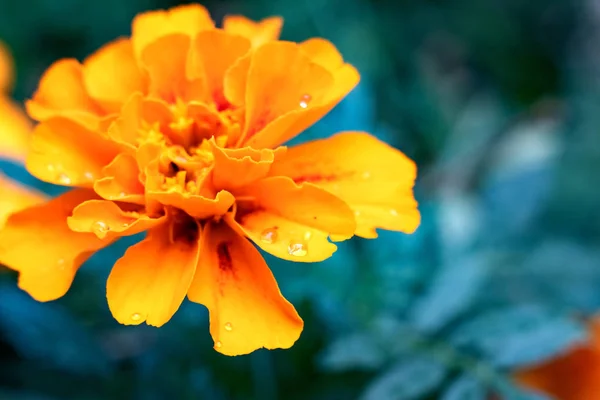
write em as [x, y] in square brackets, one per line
[63, 179]
[268, 236]
[100, 227]
[88, 175]
[228, 327]
[122, 194]
[394, 212]
[51, 167]
[307, 235]
[218, 344]
[136, 317]
[304, 100]
[298, 249]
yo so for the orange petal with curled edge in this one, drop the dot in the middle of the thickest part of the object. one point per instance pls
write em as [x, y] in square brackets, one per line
[66, 153]
[62, 93]
[15, 129]
[213, 53]
[152, 25]
[106, 219]
[38, 244]
[165, 60]
[311, 109]
[247, 309]
[121, 181]
[293, 222]
[259, 32]
[151, 280]
[195, 205]
[373, 178]
[280, 79]
[15, 198]
[235, 80]
[239, 167]
[111, 75]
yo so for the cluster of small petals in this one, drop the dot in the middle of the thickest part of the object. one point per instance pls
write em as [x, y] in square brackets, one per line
[178, 131]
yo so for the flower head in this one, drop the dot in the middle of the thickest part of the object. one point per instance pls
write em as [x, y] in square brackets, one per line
[573, 376]
[177, 131]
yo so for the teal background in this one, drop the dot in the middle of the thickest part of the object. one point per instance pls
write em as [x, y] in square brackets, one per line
[497, 101]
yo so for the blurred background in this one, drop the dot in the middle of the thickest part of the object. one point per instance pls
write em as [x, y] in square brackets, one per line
[498, 101]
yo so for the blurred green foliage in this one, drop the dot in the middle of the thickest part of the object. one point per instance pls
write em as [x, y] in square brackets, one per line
[497, 101]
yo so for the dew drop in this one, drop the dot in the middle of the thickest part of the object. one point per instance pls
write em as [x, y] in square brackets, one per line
[228, 327]
[100, 227]
[268, 236]
[63, 179]
[307, 235]
[88, 175]
[122, 194]
[136, 317]
[394, 212]
[298, 249]
[218, 344]
[304, 100]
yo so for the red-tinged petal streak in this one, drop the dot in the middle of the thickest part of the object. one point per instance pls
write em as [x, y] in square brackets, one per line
[151, 280]
[66, 153]
[259, 32]
[281, 79]
[15, 198]
[38, 244]
[106, 219]
[111, 75]
[239, 167]
[373, 178]
[293, 222]
[166, 59]
[149, 26]
[62, 93]
[121, 181]
[247, 310]
[7, 71]
[213, 53]
[15, 129]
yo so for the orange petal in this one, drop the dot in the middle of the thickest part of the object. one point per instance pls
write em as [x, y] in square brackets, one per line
[165, 59]
[239, 167]
[293, 222]
[62, 93]
[7, 70]
[111, 75]
[213, 53]
[121, 181]
[66, 153]
[106, 219]
[15, 198]
[373, 178]
[195, 205]
[234, 82]
[38, 244]
[247, 310]
[259, 32]
[151, 280]
[15, 129]
[281, 79]
[149, 26]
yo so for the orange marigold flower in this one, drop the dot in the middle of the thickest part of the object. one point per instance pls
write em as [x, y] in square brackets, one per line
[177, 131]
[573, 376]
